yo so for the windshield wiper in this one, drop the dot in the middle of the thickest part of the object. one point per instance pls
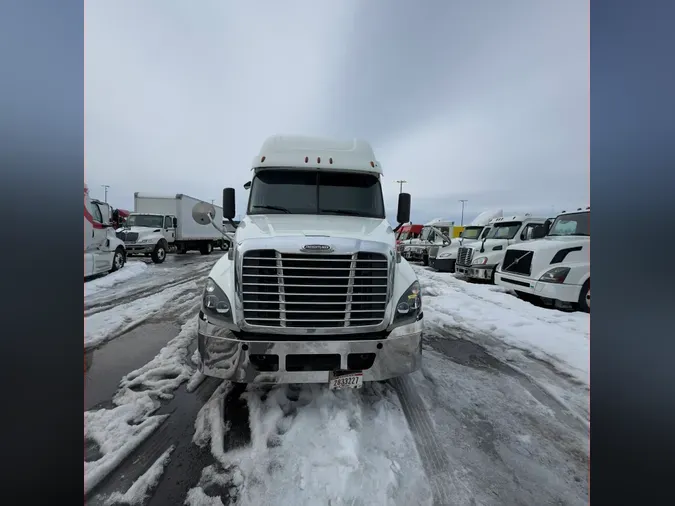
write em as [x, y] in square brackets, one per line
[345, 212]
[273, 208]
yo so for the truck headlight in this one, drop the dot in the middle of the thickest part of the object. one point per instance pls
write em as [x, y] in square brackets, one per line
[409, 307]
[555, 275]
[215, 303]
[479, 261]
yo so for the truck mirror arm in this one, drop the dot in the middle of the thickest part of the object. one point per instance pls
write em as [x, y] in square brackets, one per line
[221, 230]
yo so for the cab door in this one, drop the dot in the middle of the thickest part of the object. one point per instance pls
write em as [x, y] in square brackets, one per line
[169, 230]
[99, 246]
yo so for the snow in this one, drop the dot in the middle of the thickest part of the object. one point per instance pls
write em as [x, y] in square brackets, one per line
[105, 325]
[310, 445]
[140, 490]
[130, 270]
[559, 338]
[118, 431]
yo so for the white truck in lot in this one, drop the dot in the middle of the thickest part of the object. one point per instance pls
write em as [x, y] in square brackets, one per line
[160, 224]
[103, 252]
[556, 268]
[435, 233]
[443, 258]
[313, 289]
[479, 260]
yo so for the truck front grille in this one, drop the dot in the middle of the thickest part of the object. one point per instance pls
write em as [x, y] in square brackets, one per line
[517, 261]
[313, 290]
[464, 256]
[127, 236]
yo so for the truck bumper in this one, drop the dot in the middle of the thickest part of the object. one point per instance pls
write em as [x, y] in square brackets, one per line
[139, 249]
[442, 264]
[482, 272]
[562, 292]
[307, 361]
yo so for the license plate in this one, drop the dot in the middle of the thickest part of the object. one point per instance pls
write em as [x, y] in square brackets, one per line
[342, 380]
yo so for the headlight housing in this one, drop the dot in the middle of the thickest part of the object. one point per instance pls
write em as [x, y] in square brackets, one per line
[215, 304]
[479, 261]
[409, 307]
[555, 275]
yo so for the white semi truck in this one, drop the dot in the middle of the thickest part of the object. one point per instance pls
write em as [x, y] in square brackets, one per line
[443, 258]
[160, 224]
[103, 252]
[479, 260]
[556, 268]
[313, 289]
[435, 233]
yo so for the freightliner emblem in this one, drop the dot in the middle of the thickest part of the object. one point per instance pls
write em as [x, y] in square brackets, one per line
[317, 248]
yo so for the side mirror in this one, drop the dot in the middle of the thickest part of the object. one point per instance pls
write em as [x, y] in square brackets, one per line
[247, 185]
[228, 204]
[539, 232]
[115, 215]
[403, 212]
[175, 222]
[201, 212]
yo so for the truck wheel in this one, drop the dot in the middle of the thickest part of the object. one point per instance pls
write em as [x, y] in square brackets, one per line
[159, 254]
[224, 245]
[118, 259]
[585, 297]
[206, 248]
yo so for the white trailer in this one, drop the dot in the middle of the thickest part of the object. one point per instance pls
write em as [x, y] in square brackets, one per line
[161, 223]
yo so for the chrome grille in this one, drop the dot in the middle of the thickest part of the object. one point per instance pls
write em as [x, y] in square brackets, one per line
[313, 290]
[127, 236]
[464, 256]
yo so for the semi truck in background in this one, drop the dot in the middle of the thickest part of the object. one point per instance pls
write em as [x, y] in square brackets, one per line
[313, 289]
[103, 252]
[443, 258]
[437, 232]
[160, 224]
[556, 268]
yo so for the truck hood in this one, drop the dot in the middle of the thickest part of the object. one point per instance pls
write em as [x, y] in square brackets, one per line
[489, 244]
[284, 225]
[553, 243]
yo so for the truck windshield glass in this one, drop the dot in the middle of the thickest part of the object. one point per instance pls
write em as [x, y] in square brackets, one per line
[572, 224]
[316, 192]
[145, 220]
[506, 230]
[471, 232]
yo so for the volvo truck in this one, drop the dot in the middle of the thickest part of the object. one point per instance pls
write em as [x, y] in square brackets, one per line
[312, 289]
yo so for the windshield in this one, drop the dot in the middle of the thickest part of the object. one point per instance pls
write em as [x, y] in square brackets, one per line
[316, 192]
[572, 224]
[506, 230]
[471, 232]
[145, 220]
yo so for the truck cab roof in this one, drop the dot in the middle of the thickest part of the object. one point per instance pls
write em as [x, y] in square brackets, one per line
[296, 151]
[515, 217]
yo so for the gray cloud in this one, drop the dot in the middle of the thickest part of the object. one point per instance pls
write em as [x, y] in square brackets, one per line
[486, 101]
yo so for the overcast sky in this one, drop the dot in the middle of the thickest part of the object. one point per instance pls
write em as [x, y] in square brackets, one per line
[482, 100]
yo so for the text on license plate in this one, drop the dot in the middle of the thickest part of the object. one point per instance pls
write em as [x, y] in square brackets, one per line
[339, 381]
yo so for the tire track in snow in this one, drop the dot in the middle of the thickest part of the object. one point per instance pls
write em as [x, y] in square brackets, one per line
[434, 460]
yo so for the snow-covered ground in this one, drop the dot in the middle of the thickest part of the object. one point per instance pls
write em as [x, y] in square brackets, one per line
[130, 270]
[495, 416]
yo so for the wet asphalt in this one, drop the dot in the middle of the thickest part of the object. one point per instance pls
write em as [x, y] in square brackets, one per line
[109, 363]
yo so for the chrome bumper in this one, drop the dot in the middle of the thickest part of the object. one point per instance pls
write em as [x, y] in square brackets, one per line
[223, 356]
[483, 272]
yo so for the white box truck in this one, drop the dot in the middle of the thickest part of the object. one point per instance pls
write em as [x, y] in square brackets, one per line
[313, 289]
[160, 224]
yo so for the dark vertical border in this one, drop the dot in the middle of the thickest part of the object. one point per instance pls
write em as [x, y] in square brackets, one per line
[633, 193]
[41, 162]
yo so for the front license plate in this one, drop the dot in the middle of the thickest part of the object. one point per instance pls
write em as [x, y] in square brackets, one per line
[340, 380]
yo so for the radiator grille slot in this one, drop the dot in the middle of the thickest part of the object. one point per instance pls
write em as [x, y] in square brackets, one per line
[313, 290]
[517, 261]
[464, 256]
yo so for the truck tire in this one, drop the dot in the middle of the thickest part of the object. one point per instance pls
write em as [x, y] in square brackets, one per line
[225, 246]
[585, 297]
[206, 248]
[118, 259]
[425, 260]
[159, 253]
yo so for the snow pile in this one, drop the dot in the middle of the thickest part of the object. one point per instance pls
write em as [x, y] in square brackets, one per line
[130, 270]
[140, 490]
[105, 325]
[310, 445]
[118, 431]
[559, 338]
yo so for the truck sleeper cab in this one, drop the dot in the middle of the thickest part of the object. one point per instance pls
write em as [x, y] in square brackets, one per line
[556, 268]
[312, 289]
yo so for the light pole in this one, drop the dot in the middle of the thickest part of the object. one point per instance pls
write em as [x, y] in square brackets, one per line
[401, 182]
[463, 201]
[105, 192]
